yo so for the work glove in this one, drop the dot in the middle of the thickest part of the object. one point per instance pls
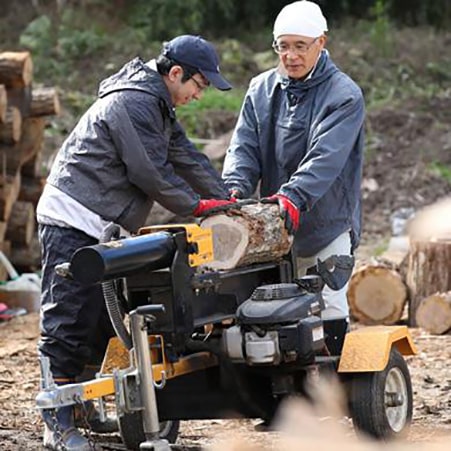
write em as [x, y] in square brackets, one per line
[288, 211]
[209, 206]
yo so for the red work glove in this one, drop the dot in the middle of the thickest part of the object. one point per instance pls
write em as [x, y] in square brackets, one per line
[288, 211]
[209, 206]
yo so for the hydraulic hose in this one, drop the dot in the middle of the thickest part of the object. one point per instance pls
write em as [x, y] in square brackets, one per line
[112, 303]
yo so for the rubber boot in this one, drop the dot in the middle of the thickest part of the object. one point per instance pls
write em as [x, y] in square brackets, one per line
[335, 331]
[89, 413]
[63, 434]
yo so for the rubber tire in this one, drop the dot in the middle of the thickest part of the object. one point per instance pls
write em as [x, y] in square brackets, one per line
[367, 400]
[132, 431]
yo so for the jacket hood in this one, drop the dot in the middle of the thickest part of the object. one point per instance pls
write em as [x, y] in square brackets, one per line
[323, 70]
[136, 75]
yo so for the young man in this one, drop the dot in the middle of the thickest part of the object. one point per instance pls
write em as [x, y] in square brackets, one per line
[300, 135]
[127, 151]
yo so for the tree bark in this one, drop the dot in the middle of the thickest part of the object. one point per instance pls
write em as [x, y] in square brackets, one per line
[253, 234]
[434, 313]
[377, 294]
[16, 69]
[3, 103]
[11, 127]
[21, 224]
[44, 102]
[429, 271]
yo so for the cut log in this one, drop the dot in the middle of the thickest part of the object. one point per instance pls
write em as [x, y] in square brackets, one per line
[429, 272]
[253, 234]
[16, 69]
[377, 294]
[44, 102]
[31, 189]
[29, 145]
[11, 127]
[21, 224]
[3, 103]
[26, 258]
[434, 313]
[21, 99]
[9, 192]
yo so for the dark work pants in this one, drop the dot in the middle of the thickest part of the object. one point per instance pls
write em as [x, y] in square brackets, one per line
[75, 327]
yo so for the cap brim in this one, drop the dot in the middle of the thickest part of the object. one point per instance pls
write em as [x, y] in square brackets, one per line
[217, 80]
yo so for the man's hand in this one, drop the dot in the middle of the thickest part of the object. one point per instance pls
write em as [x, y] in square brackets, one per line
[209, 206]
[288, 211]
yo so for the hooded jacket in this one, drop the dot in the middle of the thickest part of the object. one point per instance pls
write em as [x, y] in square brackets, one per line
[128, 150]
[303, 139]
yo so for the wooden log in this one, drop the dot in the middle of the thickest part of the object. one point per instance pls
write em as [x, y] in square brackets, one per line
[44, 102]
[16, 69]
[429, 272]
[29, 145]
[434, 313]
[11, 127]
[26, 258]
[21, 224]
[377, 294]
[9, 192]
[31, 189]
[3, 103]
[253, 234]
[5, 247]
[21, 99]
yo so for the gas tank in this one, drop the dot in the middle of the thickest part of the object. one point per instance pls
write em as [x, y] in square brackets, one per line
[279, 303]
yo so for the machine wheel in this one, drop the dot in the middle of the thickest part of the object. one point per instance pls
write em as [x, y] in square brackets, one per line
[381, 402]
[132, 433]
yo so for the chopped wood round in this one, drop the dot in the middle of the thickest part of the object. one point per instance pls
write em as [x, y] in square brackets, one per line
[11, 127]
[376, 295]
[16, 69]
[434, 313]
[253, 234]
[44, 102]
[3, 103]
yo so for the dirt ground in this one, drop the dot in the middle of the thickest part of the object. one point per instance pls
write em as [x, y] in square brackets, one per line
[20, 426]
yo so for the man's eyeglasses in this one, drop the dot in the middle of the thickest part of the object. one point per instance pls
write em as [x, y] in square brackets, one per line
[200, 87]
[300, 48]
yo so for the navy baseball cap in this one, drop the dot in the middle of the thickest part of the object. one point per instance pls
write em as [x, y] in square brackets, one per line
[200, 54]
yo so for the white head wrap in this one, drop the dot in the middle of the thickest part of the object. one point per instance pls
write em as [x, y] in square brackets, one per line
[302, 18]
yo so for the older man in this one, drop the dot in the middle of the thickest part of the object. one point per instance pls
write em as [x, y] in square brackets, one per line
[300, 135]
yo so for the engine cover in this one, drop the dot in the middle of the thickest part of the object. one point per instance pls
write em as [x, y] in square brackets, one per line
[278, 304]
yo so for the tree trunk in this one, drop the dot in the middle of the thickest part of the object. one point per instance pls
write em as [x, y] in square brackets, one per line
[253, 234]
[377, 294]
[3, 103]
[429, 272]
[434, 313]
[21, 224]
[16, 69]
[20, 98]
[11, 128]
[44, 102]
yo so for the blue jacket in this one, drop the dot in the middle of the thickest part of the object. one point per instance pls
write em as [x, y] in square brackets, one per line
[303, 139]
[128, 150]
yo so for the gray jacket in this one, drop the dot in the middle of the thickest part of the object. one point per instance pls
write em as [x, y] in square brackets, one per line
[128, 150]
[304, 140]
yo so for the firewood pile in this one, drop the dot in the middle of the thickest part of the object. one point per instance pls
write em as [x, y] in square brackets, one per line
[23, 113]
[414, 277]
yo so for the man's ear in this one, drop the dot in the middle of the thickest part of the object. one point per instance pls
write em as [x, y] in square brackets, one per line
[175, 73]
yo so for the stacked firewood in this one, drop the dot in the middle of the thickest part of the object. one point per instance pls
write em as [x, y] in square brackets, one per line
[23, 112]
